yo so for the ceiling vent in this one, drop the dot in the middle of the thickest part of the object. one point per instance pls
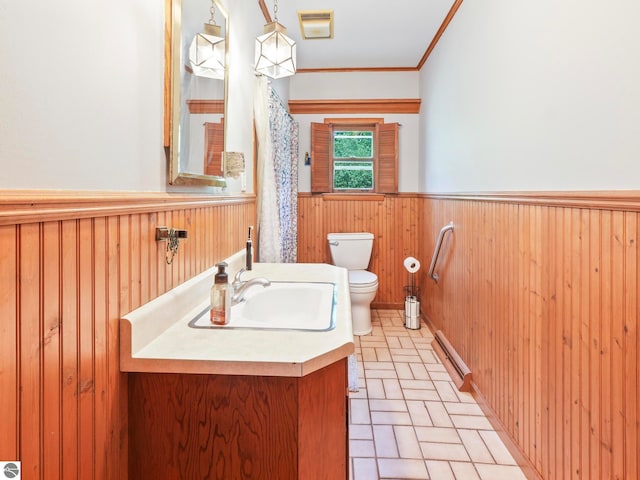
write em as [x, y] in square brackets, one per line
[316, 23]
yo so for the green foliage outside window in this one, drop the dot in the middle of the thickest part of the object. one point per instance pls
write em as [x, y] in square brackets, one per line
[355, 144]
[356, 174]
[353, 175]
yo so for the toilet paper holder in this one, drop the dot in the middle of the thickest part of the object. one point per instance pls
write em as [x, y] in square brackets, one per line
[412, 295]
[412, 265]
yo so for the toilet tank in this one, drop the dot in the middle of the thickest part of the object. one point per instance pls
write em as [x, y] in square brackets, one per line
[351, 250]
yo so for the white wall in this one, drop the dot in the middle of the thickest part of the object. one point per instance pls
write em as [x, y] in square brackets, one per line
[360, 85]
[537, 95]
[354, 85]
[81, 93]
[246, 22]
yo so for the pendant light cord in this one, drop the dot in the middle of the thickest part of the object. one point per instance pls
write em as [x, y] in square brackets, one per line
[212, 10]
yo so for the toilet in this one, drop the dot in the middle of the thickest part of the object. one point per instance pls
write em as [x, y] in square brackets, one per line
[353, 252]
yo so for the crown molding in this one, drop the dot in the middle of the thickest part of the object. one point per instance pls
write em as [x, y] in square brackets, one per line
[436, 38]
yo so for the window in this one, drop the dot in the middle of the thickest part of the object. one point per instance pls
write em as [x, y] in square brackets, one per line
[354, 155]
[353, 158]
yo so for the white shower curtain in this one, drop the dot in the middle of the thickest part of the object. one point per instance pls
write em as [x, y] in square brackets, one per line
[268, 220]
[277, 136]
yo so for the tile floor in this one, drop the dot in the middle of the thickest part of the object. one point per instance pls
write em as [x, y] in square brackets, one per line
[408, 420]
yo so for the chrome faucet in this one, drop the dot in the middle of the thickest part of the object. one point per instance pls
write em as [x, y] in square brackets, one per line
[236, 278]
[239, 287]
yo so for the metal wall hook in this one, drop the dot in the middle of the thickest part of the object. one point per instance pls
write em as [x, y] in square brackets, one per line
[163, 233]
[172, 236]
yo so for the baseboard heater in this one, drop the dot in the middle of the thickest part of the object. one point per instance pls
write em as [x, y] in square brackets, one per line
[457, 369]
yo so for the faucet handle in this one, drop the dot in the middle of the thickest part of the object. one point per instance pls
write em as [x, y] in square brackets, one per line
[236, 277]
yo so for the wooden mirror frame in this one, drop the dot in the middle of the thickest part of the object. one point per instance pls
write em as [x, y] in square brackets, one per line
[172, 91]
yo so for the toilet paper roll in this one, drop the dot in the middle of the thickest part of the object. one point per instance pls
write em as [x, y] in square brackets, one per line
[411, 264]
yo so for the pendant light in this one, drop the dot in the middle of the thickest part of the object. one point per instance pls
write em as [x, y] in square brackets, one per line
[275, 52]
[207, 50]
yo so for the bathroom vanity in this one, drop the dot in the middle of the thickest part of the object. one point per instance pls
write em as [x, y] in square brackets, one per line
[245, 402]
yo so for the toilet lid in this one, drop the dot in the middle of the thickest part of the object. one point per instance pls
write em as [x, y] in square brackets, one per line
[361, 278]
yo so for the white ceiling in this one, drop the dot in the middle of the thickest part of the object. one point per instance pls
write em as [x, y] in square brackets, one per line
[367, 33]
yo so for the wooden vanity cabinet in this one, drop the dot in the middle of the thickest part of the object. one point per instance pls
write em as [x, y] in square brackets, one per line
[226, 427]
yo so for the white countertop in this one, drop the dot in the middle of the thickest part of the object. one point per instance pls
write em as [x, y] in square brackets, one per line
[157, 338]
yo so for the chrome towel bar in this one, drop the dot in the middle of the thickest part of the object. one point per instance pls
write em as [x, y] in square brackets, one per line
[436, 252]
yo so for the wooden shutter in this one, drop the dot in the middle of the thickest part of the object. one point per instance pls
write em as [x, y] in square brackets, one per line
[387, 162]
[321, 158]
[213, 147]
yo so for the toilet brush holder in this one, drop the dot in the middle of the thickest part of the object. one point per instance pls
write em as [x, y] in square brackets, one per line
[412, 313]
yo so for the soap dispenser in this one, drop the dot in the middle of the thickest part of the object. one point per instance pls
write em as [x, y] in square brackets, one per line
[220, 301]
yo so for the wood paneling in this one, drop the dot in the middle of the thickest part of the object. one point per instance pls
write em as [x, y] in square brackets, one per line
[538, 293]
[68, 271]
[539, 296]
[26, 206]
[393, 219]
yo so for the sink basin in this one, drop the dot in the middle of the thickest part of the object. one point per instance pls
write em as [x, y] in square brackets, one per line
[306, 306]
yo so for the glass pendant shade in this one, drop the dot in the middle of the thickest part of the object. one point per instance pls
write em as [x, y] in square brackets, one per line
[275, 52]
[207, 53]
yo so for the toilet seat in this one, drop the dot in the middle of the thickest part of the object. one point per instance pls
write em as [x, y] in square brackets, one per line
[362, 280]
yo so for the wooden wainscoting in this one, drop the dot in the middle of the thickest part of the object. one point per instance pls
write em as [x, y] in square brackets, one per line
[393, 219]
[70, 266]
[539, 296]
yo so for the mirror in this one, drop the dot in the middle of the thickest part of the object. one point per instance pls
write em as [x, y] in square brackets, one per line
[195, 105]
